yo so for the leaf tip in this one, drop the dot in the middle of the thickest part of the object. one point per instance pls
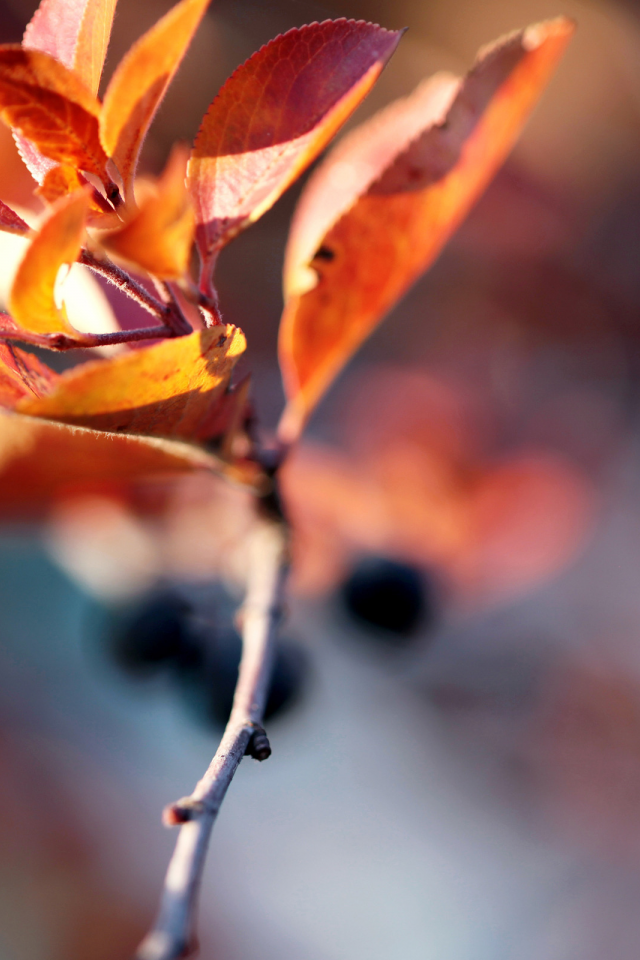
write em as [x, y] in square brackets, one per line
[561, 27]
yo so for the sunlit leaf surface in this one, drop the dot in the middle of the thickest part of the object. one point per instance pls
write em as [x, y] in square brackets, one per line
[273, 117]
[140, 81]
[411, 175]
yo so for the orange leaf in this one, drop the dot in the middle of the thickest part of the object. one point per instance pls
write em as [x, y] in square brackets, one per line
[22, 375]
[273, 117]
[75, 32]
[41, 460]
[167, 390]
[32, 301]
[159, 236]
[139, 84]
[93, 40]
[62, 180]
[10, 222]
[52, 108]
[411, 175]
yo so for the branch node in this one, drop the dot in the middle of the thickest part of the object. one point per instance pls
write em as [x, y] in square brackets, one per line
[182, 811]
[258, 747]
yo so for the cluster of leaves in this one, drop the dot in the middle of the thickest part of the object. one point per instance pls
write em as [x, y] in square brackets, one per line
[374, 215]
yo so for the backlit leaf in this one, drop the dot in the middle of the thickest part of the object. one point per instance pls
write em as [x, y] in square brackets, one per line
[32, 301]
[41, 460]
[93, 40]
[274, 116]
[169, 390]
[401, 204]
[10, 222]
[139, 84]
[159, 236]
[52, 108]
[62, 180]
[36, 163]
[75, 32]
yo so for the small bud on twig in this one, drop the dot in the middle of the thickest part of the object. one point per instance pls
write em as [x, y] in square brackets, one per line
[258, 747]
[182, 811]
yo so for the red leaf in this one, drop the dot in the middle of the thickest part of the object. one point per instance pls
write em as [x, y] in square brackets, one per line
[406, 180]
[75, 32]
[22, 375]
[273, 117]
[10, 222]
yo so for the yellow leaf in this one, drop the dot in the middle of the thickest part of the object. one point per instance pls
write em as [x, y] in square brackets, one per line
[171, 389]
[57, 241]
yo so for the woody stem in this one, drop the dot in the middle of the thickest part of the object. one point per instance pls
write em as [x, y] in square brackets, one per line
[173, 935]
[121, 279]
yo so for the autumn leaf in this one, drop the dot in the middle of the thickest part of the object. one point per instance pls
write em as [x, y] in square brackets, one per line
[32, 301]
[10, 222]
[139, 84]
[273, 116]
[75, 32]
[182, 387]
[169, 390]
[52, 108]
[159, 236]
[406, 179]
[62, 180]
[41, 460]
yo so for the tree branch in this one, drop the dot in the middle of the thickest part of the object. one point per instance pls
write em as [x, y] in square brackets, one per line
[173, 935]
[78, 341]
[121, 279]
[175, 318]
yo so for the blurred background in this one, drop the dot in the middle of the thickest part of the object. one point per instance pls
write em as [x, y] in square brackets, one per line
[458, 779]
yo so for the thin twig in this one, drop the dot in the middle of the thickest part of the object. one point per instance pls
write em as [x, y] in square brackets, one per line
[209, 310]
[173, 936]
[208, 303]
[121, 279]
[81, 341]
[175, 318]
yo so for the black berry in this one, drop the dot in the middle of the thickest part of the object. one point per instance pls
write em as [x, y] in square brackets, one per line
[211, 686]
[156, 634]
[392, 597]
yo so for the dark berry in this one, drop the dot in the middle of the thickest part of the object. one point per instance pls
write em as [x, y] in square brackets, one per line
[188, 631]
[392, 597]
[156, 633]
[210, 688]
